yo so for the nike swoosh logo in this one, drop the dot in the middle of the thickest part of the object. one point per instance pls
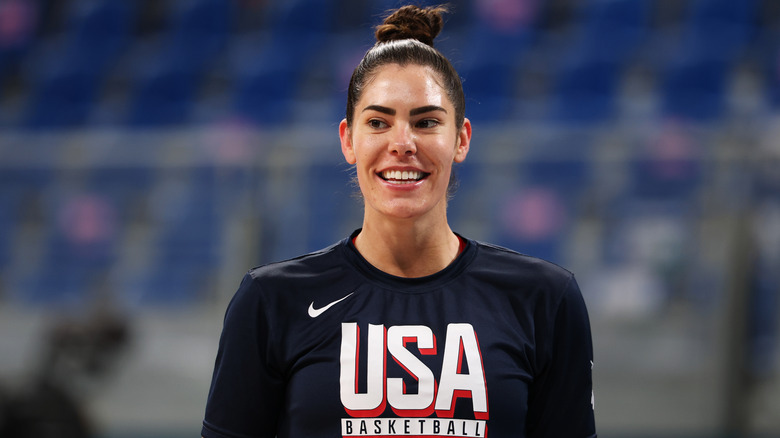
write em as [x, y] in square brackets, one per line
[317, 312]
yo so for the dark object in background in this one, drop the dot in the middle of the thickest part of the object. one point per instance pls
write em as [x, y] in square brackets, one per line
[75, 354]
[43, 411]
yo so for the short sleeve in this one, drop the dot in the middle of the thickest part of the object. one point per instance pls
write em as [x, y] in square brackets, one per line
[561, 395]
[246, 390]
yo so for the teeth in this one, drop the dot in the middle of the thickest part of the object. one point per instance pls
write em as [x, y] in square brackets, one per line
[405, 175]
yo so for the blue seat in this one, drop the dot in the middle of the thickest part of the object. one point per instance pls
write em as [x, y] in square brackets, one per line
[567, 175]
[167, 286]
[712, 12]
[67, 273]
[194, 242]
[124, 185]
[490, 89]
[672, 177]
[693, 86]
[266, 78]
[613, 29]
[585, 89]
[27, 179]
[187, 249]
[770, 65]
[19, 41]
[168, 78]
[190, 225]
[99, 30]
[532, 219]
[465, 176]
[723, 27]
[191, 229]
[561, 160]
[491, 57]
[268, 72]
[62, 97]
[60, 287]
[10, 213]
[66, 82]
[302, 17]
[198, 31]
[607, 36]
[163, 95]
[335, 209]
[490, 78]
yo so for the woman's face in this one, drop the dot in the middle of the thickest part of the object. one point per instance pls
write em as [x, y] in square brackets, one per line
[403, 141]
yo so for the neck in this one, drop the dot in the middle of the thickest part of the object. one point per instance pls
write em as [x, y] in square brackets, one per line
[407, 248]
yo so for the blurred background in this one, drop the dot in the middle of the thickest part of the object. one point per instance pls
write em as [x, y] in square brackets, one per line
[151, 151]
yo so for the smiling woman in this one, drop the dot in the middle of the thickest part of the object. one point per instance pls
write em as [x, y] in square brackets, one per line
[405, 125]
[482, 338]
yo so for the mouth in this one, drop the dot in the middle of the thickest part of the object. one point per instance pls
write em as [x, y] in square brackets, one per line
[403, 176]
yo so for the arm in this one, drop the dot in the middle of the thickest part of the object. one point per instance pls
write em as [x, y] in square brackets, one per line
[246, 389]
[560, 399]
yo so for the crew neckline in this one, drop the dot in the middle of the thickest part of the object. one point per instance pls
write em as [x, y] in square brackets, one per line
[466, 253]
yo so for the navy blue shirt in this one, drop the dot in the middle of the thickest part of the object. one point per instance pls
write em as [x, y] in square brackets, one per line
[326, 345]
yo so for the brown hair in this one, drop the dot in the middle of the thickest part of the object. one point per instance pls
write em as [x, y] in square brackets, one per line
[406, 37]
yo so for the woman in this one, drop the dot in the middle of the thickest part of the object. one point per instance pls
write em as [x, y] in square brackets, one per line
[405, 328]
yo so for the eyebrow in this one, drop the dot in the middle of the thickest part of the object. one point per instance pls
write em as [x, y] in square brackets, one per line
[413, 112]
[381, 109]
[426, 109]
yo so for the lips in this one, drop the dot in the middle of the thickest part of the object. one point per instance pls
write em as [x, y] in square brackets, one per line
[402, 176]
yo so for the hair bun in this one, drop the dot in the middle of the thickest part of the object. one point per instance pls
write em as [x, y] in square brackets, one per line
[422, 24]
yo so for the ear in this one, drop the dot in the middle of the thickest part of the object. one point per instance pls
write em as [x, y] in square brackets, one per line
[464, 140]
[346, 142]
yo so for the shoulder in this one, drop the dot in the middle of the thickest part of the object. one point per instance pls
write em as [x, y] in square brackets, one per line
[301, 278]
[510, 265]
[300, 268]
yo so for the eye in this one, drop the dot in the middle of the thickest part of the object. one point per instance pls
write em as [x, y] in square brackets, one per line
[427, 123]
[377, 124]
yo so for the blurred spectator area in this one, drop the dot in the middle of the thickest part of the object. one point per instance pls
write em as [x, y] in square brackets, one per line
[151, 151]
[147, 145]
[149, 63]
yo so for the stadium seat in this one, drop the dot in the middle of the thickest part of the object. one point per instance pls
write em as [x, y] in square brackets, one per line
[607, 36]
[199, 30]
[297, 18]
[163, 95]
[168, 77]
[613, 30]
[66, 77]
[17, 39]
[693, 86]
[722, 27]
[490, 89]
[125, 186]
[770, 65]
[98, 30]
[10, 212]
[532, 219]
[186, 247]
[669, 168]
[330, 194]
[172, 286]
[266, 76]
[63, 97]
[584, 90]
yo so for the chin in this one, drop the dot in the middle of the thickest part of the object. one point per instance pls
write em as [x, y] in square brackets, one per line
[409, 210]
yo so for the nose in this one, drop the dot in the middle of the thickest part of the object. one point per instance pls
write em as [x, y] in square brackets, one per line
[403, 142]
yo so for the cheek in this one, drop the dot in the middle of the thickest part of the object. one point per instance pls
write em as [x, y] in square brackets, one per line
[364, 164]
[366, 151]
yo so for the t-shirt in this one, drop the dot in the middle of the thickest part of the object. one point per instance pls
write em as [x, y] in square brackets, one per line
[327, 345]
